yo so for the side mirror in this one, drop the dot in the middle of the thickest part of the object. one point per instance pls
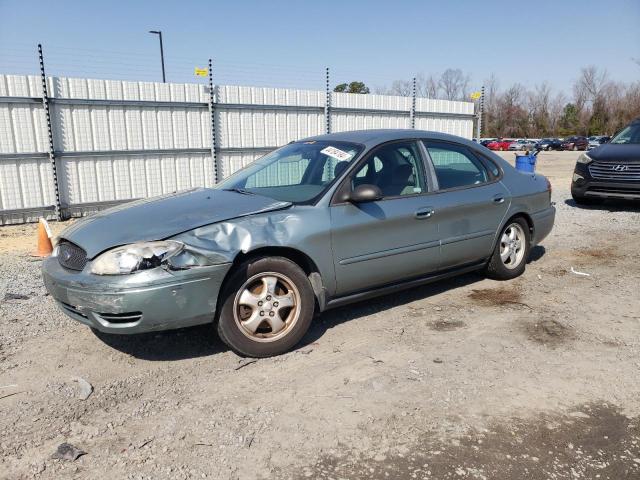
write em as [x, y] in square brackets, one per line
[364, 193]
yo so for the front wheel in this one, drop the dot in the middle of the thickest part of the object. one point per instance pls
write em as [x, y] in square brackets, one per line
[510, 255]
[267, 307]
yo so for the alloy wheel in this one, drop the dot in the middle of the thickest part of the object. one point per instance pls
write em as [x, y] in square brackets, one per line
[267, 306]
[512, 247]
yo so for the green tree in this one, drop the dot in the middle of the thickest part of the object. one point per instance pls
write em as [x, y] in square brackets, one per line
[353, 87]
[569, 120]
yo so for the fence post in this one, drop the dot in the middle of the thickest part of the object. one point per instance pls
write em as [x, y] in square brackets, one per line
[52, 152]
[327, 105]
[480, 112]
[412, 114]
[212, 113]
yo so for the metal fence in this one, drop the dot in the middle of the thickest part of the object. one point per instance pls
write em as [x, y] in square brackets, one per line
[69, 146]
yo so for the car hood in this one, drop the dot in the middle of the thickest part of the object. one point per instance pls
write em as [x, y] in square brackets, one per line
[615, 153]
[162, 217]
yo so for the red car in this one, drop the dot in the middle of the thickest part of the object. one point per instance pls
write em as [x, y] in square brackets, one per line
[500, 144]
[576, 143]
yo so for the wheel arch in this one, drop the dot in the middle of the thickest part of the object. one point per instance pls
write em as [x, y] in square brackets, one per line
[516, 214]
[527, 218]
[304, 261]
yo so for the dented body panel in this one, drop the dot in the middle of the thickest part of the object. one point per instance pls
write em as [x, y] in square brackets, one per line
[163, 299]
[306, 229]
[160, 217]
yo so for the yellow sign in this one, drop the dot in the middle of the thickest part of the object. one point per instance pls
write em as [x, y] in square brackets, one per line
[475, 95]
[201, 72]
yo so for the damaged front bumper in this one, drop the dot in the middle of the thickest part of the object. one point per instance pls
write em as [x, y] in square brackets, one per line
[150, 300]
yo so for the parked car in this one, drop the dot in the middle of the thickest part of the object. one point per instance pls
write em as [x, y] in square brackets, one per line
[500, 144]
[549, 144]
[487, 141]
[517, 145]
[596, 141]
[611, 170]
[318, 223]
[575, 143]
[522, 145]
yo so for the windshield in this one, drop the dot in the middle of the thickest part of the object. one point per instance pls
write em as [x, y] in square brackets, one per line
[630, 134]
[298, 172]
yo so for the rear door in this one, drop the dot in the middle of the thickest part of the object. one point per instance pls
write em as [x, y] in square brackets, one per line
[469, 203]
[389, 240]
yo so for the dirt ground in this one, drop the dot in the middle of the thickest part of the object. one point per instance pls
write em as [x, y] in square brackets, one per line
[535, 378]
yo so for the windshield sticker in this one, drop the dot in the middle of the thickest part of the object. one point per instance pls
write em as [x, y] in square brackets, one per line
[336, 153]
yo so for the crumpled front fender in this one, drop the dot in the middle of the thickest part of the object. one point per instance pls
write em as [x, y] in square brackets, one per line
[304, 229]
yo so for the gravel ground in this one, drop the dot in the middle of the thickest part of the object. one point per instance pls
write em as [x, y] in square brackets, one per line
[536, 378]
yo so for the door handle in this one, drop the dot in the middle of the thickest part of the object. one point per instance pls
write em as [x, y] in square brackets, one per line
[498, 199]
[424, 213]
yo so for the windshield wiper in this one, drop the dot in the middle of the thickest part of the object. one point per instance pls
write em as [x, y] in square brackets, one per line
[239, 190]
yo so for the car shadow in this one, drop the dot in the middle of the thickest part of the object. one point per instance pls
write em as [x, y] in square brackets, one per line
[536, 254]
[203, 341]
[333, 318]
[167, 345]
[608, 205]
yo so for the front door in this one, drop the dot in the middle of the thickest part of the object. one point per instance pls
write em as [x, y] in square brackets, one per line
[389, 240]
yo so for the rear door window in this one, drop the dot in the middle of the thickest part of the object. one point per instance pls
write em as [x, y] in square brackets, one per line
[455, 166]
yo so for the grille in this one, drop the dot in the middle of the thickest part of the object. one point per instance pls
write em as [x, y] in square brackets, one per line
[71, 256]
[615, 171]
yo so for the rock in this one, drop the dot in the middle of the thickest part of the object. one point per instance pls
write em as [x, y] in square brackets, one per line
[579, 415]
[15, 296]
[66, 451]
[437, 360]
[85, 388]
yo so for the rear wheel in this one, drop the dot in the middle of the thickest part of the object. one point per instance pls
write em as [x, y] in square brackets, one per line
[511, 252]
[267, 307]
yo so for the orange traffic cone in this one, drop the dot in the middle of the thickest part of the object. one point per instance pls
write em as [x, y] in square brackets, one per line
[44, 239]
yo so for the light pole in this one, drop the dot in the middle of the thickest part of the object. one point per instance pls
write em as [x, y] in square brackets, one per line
[159, 33]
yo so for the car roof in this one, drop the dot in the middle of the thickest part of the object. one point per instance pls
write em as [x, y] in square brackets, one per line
[374, 137]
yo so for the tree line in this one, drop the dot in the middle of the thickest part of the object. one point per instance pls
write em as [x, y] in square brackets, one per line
[596, 105]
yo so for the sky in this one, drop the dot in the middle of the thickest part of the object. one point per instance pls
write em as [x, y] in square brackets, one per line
[287, 43]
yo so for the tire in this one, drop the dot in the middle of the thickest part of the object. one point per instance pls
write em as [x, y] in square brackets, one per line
[580, 200]
[252, 307]
[514, 265]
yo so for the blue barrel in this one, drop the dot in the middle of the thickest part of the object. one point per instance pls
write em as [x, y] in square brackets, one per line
[526, 163]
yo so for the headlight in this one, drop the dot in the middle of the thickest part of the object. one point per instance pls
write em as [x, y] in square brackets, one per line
[584, 158]
[135, 257]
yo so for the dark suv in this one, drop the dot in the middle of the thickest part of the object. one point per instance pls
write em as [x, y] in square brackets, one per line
[549, 144]
[575, 143]
[611, 170]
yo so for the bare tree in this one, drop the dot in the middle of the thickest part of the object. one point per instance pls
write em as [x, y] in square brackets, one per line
[592, 83]
[598, 104]
[402, 88]
[426, 86]
[539, 104]
[556, 108]
[454, 84]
